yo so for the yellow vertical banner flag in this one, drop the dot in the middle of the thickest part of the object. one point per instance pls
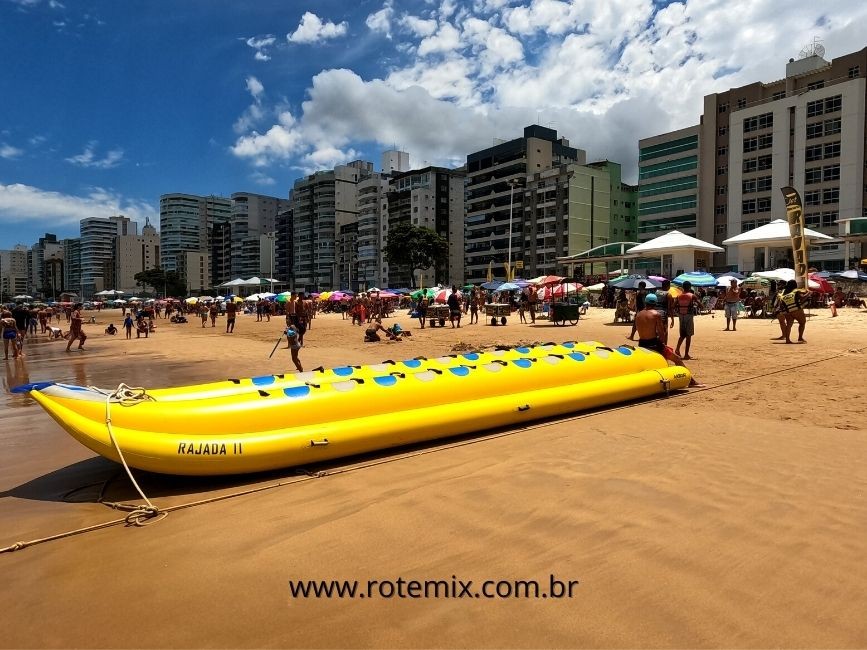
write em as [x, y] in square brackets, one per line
[795, 217]
[490, 270]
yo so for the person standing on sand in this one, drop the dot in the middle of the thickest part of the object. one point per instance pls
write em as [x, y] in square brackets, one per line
[127, 325]
[665, 307]
[732, 298]
[231, 310]
[651, 330]
[301, 317]
[790, 301]
[454, 303]
[9, 332]
[76, 328]
[639, 305]
[213, 313]
[203, 312]
[687, 304]
[421, 310]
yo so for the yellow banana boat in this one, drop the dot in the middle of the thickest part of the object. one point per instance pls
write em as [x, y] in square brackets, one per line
[342, 373]
[312, 422]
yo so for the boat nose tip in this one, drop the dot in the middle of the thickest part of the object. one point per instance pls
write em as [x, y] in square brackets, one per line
[26, 388]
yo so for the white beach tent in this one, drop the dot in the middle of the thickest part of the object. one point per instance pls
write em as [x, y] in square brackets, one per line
[772, 235]
[687, 253]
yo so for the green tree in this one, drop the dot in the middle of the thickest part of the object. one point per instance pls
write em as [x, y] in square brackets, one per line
[170, 282]
[416, 248]
[154, 278]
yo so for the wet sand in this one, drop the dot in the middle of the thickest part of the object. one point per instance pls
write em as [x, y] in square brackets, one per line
[734, 516]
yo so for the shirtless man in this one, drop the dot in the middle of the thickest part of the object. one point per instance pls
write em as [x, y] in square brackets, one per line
[231, 310]
[732, 298]
[293, 344]
[651, 330]
[76, 328]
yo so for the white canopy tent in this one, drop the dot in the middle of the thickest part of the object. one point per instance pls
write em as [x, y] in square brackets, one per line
[772, 235]
[237, 282]
[677, 252]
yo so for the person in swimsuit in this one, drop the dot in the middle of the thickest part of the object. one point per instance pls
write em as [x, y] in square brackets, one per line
[293, 344]
[732, 298]
[10, 333]
[76, 329]
[651, 330]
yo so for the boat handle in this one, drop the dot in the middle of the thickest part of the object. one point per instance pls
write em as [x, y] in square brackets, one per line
[402, 375]
[312, 385]
[319, 369]
[390, 361]
[604, 347]
[263, 393]
[559, 356]
[436, 370]
[526, 407]
[235, 381]
[501, 362]
[319, 443]
[357, 380]
[420, 358]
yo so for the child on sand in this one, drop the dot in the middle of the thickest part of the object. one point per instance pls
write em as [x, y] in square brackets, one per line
[293, 344]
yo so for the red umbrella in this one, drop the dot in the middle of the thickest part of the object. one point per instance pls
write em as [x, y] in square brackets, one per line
[443, 294]
[548, 279]
[558, 290]
[824, 285]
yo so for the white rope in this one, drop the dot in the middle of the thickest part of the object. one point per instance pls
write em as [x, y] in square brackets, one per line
[130, 396]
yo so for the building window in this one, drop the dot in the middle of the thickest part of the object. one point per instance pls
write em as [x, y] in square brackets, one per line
[812, 197]
[816, 85]
[719, 229]
[722, 130]
[854, 72]
[721, 171]
[721, 189]
[720, 209]
[778, 95]
[748, 207]
[812, 220]
[813, 152]
[750, 165]
[765, 162]
[831, 195]
[751, 144]
[742, 103]
[831, 173]
[748, 186]
[814, 130]
[829, 219]
[722, 151]
[813, 175]
[764, 121]
[834, 104]
[832, 127]
[766, 141]
[815, 108]
[763, 204]
[722, 108]
[832, 150]
[763, 184]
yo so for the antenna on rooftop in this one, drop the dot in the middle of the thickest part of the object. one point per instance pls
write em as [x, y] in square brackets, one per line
[813, 48]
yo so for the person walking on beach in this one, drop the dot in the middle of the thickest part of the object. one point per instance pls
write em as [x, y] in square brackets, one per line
[454, 303]
[301, 317]
[732, 298]
[293, 344]
[474, 306]
[231, 310]
[687, 304]
[651, 329]
[9, 332]
[213, 313]
[532, 302]
[22, 317]
[76, 328]
[127, 325]
[639, 305]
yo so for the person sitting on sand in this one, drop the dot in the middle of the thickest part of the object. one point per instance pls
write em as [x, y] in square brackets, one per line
[855, 301]
[651, 330]
[111, 329]
[371, 333]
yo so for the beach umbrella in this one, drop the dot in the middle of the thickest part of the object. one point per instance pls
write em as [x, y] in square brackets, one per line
[253, 298]
[851, 274]
[559, 290]
[657, 278]
[756, 282]
[325, 295]
[493, 285]
[189, 301]
[388, 294]
[596, 288]
[237, 299]
[781, 274]
[284, 297]
[22, 297]
[632, 281]
[443, 295]
[733, 274]
[546, 279]
[726, 280]
[821, 283]
[696, 279]
[508, 286]
[337, 296]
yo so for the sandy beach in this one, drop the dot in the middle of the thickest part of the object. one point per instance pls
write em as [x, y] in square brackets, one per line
[729, 516]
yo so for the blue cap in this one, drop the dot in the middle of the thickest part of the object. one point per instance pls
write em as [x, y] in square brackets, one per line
[650, 299]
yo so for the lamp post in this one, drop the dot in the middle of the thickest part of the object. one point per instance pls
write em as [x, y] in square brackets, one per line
[272, 236]
[513, 183]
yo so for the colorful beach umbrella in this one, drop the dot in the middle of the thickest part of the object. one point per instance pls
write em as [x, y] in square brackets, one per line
[696, 279]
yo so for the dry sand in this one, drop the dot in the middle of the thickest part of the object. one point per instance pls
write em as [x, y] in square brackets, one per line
[734, 516]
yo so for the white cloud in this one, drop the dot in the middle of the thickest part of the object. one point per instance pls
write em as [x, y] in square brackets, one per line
[380, 21]
[255, 88]
[54, 4]
[311, 29]
[261, 45]
[446, 39]
[25, 203]
[9, 152]
[262, 179]
[88, 158]
[419, 26]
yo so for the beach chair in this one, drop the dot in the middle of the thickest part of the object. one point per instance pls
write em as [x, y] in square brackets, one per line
[708, 305]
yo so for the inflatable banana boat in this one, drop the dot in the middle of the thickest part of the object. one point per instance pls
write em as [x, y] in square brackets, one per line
[287, 423]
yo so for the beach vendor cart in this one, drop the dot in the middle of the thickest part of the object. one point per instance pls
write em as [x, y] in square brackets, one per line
[438, 315]
[563, 313]
[498, 310]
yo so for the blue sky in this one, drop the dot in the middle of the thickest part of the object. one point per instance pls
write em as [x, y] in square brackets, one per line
[105, 105]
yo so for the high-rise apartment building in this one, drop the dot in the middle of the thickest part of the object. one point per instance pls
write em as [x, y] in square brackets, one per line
[431, 198]
[370, 268]
[72, 265]
[283, 265]
[668, 182]
[46, 266]
[134, 254]
[394, 162]
[13, 272]
[97, 248]
[806, 130]
[253, 216]
[325, 219]
[495, 198]
[187, 225]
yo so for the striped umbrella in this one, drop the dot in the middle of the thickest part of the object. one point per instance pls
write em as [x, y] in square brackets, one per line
[696, 279]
